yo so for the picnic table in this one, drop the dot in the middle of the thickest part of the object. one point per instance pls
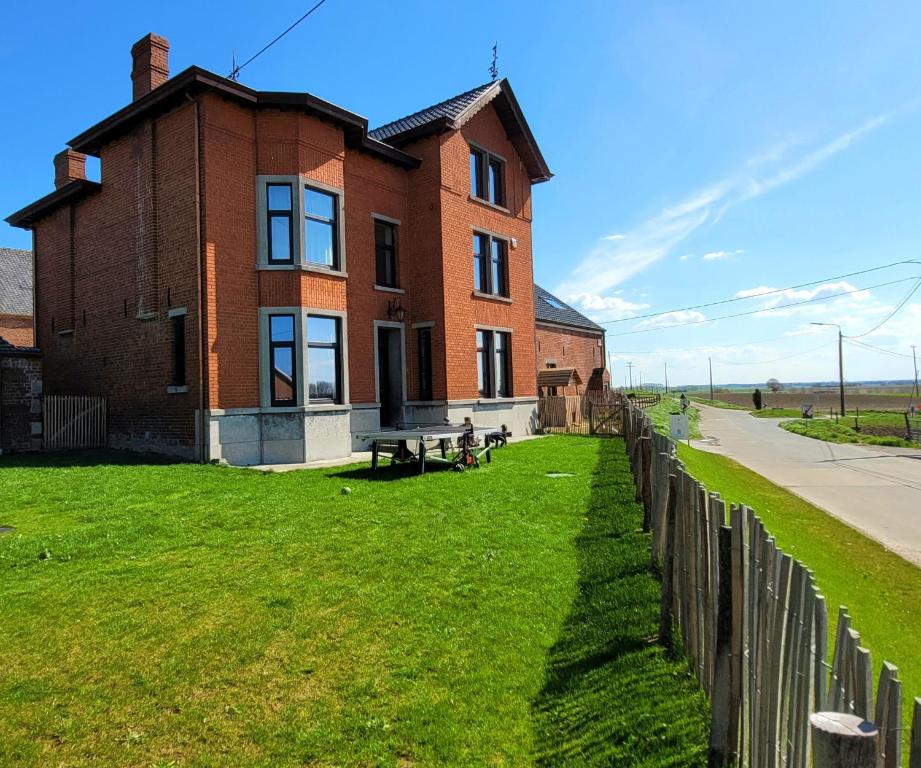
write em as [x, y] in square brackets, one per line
[446, 445]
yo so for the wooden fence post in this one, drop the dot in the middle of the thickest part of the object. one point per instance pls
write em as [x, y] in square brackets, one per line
[721, 712]
[914, 756]
[668, 563]
[840, 740]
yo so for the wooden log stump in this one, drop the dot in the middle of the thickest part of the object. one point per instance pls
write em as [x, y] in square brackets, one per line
[841, 740]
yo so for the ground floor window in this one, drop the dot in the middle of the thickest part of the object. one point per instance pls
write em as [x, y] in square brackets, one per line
[282, 360]
[324, 362]
[494, 377]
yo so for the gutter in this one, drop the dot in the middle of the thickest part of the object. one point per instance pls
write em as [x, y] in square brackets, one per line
[199, 270]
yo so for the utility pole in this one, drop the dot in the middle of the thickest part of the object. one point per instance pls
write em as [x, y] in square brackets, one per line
[916, 392]
[666, 378]
[710, 361]
[630, 371]
[840, 362]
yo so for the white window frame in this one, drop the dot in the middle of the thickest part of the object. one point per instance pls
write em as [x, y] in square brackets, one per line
[300, 349]
[299, 183]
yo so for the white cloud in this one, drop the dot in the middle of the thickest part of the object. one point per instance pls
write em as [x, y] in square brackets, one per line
[720, 255]
[620, 256]
[603, 308]
[670, 318]
[687, 256]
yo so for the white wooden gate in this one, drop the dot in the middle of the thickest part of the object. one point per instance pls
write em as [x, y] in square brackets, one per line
[74, 421]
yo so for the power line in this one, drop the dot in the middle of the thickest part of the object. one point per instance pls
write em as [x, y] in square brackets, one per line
[759, 311]
[863, 344]
[888, 317]
[771, 292]
[235, 72]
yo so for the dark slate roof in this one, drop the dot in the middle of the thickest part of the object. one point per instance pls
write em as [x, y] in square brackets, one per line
[10, 350]
[562, 315]
[450, 109]
[15, 282]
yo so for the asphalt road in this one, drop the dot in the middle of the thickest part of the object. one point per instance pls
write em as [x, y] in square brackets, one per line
[876, 490]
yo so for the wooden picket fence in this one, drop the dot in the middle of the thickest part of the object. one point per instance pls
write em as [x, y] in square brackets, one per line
[594, 412]
[755, 626]
[73, 421]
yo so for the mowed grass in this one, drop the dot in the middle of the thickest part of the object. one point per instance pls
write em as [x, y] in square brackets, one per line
[668, 405]
[875, 428]
[186, 615]
[879, 588]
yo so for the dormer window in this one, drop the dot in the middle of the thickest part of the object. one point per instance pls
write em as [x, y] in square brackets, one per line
[487, 176]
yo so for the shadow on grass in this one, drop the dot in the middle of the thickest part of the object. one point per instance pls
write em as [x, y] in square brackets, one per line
[88, 458]
[611, 695]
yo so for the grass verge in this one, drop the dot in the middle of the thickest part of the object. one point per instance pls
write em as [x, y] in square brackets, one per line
[159, 614]
[670, 404]
[879, 587]
[875, 428]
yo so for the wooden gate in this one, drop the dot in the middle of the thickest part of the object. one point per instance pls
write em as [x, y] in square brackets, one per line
[74, 421]
[606, 418]
[591, 413]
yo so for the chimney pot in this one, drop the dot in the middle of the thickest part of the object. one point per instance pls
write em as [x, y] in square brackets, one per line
[68, 166]
[150, 64]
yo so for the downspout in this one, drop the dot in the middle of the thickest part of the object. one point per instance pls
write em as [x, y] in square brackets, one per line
[199, 270]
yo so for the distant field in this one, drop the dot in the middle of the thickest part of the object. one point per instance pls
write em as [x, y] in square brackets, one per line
[877, 402]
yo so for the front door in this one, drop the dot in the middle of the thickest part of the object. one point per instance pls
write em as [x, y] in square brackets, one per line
[390, 375]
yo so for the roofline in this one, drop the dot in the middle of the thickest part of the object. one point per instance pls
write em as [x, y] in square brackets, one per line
[13, 351]
[442, 124]
[195, 79]
[596, 329]
[74, 190]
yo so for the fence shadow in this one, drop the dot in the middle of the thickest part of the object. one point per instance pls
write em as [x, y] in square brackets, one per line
[611, 696]
[95, 457]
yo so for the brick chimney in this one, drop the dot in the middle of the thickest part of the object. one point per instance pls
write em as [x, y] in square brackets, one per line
[150, 64]
[68, 166]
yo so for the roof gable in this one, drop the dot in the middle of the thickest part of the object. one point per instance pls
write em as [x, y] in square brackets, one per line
[451, 114]
[549, 309]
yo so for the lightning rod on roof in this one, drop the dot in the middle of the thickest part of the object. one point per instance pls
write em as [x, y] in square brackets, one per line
[494, 67]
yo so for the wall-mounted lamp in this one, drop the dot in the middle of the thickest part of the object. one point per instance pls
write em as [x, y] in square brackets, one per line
[395, 310]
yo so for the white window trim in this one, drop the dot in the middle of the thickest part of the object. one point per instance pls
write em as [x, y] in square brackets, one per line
[300, 182]
[300, 362]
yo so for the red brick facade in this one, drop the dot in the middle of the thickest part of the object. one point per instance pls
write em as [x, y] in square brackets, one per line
[559, 347]
[173, 226]
[17, 330]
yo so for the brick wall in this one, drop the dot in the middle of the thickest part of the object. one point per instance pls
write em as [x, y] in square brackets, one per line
[20, 402]
[570, 349]
[17, 330]
[108, 270]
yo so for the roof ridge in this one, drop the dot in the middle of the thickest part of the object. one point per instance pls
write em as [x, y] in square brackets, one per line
[433, 107]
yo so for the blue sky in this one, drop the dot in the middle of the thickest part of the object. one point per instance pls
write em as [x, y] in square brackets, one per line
[700, 149]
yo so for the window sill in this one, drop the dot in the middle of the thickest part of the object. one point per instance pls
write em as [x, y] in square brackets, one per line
[494, 206]
[488, 400]
[491, 297]
[66, 332]
[388, 289]
[321, 407]
[301, 268]
[177, 390]
[148, 315]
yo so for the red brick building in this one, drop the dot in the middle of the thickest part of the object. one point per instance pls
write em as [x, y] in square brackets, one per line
[571, 354]
[16, 297]
[258, 277]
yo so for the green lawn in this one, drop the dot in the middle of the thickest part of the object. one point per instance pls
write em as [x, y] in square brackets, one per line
[879, 587]
[875, 428]
[186, 615]
[720, 404]
[778, 413]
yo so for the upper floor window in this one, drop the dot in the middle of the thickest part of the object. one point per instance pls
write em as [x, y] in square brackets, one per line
[299, 223]
[385, 250]
[320, 227]
[487, 176]
[280, 223]
[490, 264]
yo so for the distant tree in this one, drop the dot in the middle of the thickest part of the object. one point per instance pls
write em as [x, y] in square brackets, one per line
[774, 385]
[756, 399]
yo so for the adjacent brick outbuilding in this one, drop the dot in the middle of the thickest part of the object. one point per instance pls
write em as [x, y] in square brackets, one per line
[571, 353]
[16, 297]
[258, 277]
